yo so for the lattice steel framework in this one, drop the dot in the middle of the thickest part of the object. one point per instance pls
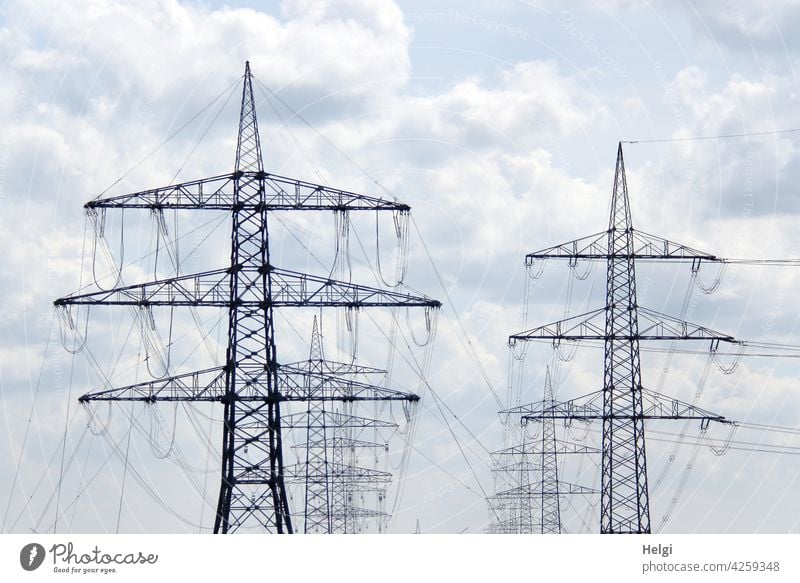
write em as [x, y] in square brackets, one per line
[251, 384]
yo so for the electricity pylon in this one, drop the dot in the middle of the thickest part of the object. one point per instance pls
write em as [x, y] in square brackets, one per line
[535, 472]
[511, 508]
[623, 404]
[339, 514]
[329, 481]
[251, 384]
[551, 503]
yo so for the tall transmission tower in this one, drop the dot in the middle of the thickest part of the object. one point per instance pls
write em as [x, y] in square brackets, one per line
[251, 384]
[623, 404]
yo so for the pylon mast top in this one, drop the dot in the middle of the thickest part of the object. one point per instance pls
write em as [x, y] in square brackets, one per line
[248, 144]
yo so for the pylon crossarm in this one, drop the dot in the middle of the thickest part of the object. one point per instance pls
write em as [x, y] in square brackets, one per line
[293, 289]
[657, 326]
[212, 289]
[510, 525]
[209, 288]
[300, 385]
[209, 385]
[521, 410]
[645, 247]
[522, 466]
[214, 193]
[203, 385]
[593, 246]
[335, 420]
[333, 367]
[359, 513]
[591, 326]
[378, 487]
[353, 513]
[562, 447]
[652, 247]
[519, 449]
[535, 490]
[342, 442]
[586, 407]
[354, 474]
[658, 406]
[654, 406]
[217, 193]
[283, 193]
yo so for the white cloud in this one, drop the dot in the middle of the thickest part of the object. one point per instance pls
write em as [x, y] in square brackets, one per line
[762, 24]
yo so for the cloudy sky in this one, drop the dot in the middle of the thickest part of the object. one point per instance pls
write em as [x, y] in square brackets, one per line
[498, 122]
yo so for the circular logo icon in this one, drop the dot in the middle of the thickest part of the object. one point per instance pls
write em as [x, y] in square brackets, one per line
[31, 556]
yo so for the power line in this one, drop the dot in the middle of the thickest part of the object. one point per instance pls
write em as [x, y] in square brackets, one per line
[463, 336]
[169, 138]
[717, 137]
[17, 465]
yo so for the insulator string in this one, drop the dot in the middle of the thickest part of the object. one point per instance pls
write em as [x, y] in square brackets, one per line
[97, 428]
[720, 450]
[98, 220]
[66, 322]
[566, 355]
[150, 335]
[431, 316]
[573, 266]
[730, 369]
[351, 320]
[710, 289]
[157, 427]
[400, 219]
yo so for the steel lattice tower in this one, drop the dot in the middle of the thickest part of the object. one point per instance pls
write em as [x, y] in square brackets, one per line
[329, 481]
[340, 479]
[551, 501]
[317, 483]
[623, 404]
[624, 497]
[251, 383]
[535, 469]
[511, 506]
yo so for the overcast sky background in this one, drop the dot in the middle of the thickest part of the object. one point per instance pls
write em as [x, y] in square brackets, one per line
[498, 123]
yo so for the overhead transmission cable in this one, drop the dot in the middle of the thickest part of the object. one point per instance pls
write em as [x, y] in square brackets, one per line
[169, 138]
[713, 137]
